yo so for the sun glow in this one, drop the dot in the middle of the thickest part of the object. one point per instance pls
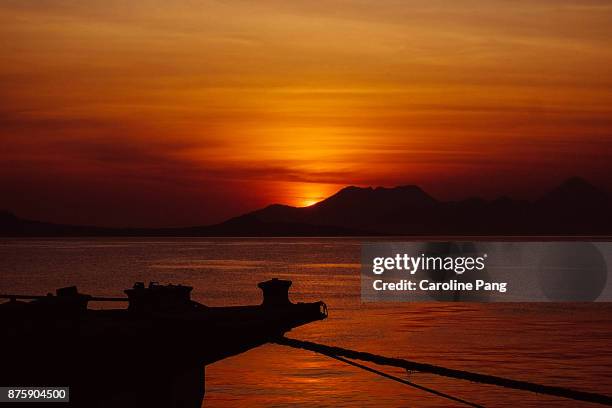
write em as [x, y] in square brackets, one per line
[308, 194]
[307, 202]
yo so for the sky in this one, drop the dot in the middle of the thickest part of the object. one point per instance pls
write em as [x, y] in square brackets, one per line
[170, 113]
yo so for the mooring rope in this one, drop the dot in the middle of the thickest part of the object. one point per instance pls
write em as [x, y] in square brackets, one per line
[406, 382]
[334, 352]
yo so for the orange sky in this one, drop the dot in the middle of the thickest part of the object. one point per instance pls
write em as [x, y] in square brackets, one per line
[187, 112]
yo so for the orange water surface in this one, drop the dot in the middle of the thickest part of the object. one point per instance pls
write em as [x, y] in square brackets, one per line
[555, 344]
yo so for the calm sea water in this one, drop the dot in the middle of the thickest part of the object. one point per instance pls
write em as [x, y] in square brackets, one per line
[565, 345]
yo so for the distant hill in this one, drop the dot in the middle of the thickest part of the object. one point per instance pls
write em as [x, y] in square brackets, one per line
[573, 208]
[247, 225]
[11, 225]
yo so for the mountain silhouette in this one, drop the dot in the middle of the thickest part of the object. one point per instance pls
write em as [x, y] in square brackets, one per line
[575, 207]
[575, 193]
[355, 208]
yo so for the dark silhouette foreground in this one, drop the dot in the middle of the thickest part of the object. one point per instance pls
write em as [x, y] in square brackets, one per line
[151, 354]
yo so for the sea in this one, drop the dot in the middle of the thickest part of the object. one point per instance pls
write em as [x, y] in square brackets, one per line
[568, 345]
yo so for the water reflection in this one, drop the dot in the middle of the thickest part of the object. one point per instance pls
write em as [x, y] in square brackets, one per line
[547, 343]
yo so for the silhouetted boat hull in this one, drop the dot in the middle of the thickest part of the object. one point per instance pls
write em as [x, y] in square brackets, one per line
[148, 355]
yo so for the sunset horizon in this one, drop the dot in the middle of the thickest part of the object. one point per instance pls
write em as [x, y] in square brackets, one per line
[190, 113]
[377, 211]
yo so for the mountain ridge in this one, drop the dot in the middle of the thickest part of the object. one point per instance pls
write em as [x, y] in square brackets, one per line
[573, 207]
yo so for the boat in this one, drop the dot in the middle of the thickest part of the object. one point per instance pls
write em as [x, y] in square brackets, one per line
[152, 353]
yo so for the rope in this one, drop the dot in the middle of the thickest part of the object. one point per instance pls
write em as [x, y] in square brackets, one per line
[447, 372]
[401, 380]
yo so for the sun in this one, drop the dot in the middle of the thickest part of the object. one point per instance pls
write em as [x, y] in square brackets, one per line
[308, 194]
[307, 202]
